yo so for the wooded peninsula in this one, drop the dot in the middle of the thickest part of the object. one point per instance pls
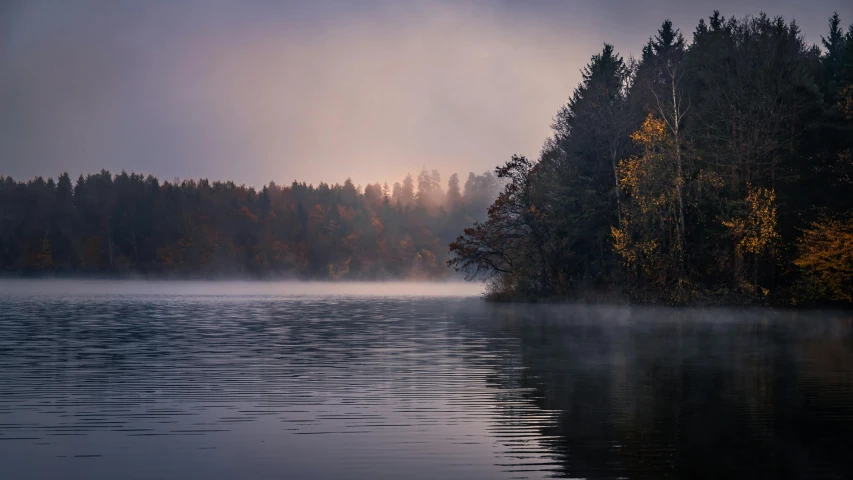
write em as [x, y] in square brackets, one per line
[714, 171]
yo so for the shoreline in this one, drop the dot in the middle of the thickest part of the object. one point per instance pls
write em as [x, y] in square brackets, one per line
[450, 287]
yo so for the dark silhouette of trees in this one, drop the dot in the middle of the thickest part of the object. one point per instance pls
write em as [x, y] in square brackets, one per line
[509, 247]
[714, 171]
[129, 224]
[454, 194]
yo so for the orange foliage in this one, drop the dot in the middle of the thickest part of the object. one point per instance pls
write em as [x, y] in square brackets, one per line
[346, 213]
[248, 214]
[825, 253]
[755, 233]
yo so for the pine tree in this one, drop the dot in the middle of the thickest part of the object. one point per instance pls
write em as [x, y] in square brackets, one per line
[833, 59]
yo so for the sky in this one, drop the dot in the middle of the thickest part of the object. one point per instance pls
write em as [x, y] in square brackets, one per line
[321, 90]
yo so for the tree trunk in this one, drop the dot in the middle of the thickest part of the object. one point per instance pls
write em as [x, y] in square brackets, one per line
[676, 119]
[616, 178]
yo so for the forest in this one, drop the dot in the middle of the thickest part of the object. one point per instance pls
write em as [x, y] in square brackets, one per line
[714, 170]
[129, 224]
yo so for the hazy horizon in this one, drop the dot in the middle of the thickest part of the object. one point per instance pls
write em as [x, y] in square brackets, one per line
[230, 287]
[310, 92]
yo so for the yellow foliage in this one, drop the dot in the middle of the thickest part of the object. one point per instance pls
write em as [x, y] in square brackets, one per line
[710, 179]
[622, 243]
[650, 179]
[825, 253]
[634, 252]
[651, 133]
[647, 238]
[629, 173]
[756, 232]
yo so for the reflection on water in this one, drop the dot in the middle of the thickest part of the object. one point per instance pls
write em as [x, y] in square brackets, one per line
[278, 386]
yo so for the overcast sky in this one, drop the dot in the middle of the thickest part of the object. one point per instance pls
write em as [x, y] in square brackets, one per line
[320, 90]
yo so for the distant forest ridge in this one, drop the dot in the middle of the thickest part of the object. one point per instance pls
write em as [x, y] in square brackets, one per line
[134, 224]
[717, 170]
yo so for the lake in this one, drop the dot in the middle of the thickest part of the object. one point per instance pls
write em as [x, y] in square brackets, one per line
[137, 380]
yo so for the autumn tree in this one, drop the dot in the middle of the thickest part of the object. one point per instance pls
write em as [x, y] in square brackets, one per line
[825, 255]
[650, 238]
[755, 234]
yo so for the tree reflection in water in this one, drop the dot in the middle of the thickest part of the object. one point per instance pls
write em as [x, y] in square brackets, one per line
[679, 393]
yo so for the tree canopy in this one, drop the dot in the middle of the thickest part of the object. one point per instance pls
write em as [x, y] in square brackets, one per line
[712, 171]
[134, 224]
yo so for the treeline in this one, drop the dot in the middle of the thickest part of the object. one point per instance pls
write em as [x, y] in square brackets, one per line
[715, 170]
[134, 224]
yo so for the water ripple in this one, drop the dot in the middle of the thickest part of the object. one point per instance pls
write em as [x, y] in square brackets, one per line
[158, 386]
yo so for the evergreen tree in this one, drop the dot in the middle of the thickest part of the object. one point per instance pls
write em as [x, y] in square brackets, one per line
[718, 171]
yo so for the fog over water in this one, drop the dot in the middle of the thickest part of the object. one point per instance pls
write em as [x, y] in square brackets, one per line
[239, 288]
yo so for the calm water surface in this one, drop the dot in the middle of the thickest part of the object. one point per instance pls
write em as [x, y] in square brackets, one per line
[289, 383]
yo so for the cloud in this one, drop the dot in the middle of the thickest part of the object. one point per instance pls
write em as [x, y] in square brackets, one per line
[324, 90]
[371, 95]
